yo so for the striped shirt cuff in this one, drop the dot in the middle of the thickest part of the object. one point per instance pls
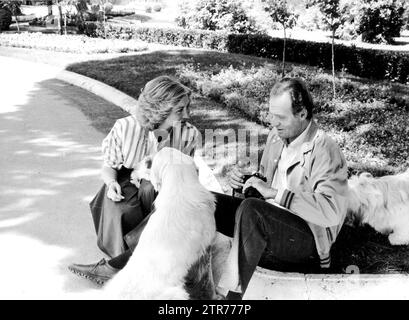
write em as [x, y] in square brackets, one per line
[285, 199]
[325, 263]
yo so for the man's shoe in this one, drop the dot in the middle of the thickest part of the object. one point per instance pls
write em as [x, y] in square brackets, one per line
[99, 272]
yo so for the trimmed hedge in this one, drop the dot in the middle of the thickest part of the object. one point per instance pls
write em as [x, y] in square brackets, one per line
[367, 63]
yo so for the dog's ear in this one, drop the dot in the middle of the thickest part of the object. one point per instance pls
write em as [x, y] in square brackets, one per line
[148, 162]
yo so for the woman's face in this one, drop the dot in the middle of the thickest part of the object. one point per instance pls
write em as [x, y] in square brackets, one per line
[180, 113]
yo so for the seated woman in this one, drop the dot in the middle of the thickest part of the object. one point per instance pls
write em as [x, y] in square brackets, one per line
[119, 208]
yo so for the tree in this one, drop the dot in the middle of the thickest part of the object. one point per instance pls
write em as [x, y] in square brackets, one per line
[50, 7]
[381, 20]
[226, 15]
[280, 12]
[14, 7]
[331, 12]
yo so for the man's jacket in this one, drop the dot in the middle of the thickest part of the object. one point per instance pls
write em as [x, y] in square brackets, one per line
[317, 185]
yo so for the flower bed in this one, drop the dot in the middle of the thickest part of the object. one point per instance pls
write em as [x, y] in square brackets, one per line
[69, 43]
[368, 120]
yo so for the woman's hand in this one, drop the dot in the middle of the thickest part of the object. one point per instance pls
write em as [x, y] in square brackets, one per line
[114, 192]
[263, 187]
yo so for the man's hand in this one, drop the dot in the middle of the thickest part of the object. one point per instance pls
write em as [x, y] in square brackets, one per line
[263, 187]
[114, 192]
[236, 179]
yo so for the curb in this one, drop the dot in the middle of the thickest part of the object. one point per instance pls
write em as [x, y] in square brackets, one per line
[272, 285]
[99, 88]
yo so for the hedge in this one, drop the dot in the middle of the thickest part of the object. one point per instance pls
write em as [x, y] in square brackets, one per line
[367, 63]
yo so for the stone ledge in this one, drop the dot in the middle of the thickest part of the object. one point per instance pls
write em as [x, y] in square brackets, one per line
[273, 285]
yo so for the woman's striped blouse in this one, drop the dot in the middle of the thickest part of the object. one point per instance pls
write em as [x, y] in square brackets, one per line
[128, 142]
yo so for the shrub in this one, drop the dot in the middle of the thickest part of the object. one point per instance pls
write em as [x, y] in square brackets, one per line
[5, 18]
[148, 9]
[367, 63]
[227, 15]
[157, 7]
[376, 21]
[381, 20]
[364, 120]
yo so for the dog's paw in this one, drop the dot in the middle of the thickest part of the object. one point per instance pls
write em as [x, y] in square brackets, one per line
[398, 239]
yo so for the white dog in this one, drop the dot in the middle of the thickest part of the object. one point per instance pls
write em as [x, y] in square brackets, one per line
[172, 258]
[383, 203]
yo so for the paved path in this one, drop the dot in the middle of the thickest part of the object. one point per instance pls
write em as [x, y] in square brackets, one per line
[49, 160]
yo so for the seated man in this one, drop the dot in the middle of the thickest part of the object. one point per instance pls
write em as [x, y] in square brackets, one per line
[304, 204]
[303, 209]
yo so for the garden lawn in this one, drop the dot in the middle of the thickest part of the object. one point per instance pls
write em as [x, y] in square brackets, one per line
[368, 119]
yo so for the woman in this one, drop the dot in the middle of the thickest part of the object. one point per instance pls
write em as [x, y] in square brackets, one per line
[158, 120]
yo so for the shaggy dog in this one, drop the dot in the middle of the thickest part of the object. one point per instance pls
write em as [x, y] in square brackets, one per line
[383, 203]
[173, 257]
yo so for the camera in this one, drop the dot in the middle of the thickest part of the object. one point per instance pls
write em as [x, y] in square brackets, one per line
[250, 192]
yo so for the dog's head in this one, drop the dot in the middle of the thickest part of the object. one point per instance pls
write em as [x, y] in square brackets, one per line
[357, 198]
[174, 166]
[142, 171]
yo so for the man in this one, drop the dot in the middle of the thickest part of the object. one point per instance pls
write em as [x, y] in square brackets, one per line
[304, 207]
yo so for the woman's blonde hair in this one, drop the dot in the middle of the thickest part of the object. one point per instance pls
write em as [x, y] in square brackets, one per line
[157, 100]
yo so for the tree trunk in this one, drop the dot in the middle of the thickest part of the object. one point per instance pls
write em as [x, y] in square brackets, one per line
[65, 23]
[50, 8]
[285, 42]
[104, 22]
[333, 62]
[18, 25]
[60, 19]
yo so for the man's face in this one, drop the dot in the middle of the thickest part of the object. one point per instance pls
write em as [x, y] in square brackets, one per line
[288, 125]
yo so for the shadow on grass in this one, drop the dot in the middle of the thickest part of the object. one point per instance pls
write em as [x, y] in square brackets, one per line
[369, 250]
[130, 74]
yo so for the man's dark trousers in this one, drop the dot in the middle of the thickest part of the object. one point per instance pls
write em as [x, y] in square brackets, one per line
[269, 236]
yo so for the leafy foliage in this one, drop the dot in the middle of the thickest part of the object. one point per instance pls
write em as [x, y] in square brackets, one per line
[331, 12]
[381, 20]
[367, 63]
[367, 121]
[376, 21]
[227, 15]
[281, 12]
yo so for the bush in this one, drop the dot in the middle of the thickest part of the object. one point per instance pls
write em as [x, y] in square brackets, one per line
[227, 15]
[148, 9]
[5, 19]
[367, 63]
[168, 36]
[376, 21]
[364, 120]
[381, 20]
[157, 7]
